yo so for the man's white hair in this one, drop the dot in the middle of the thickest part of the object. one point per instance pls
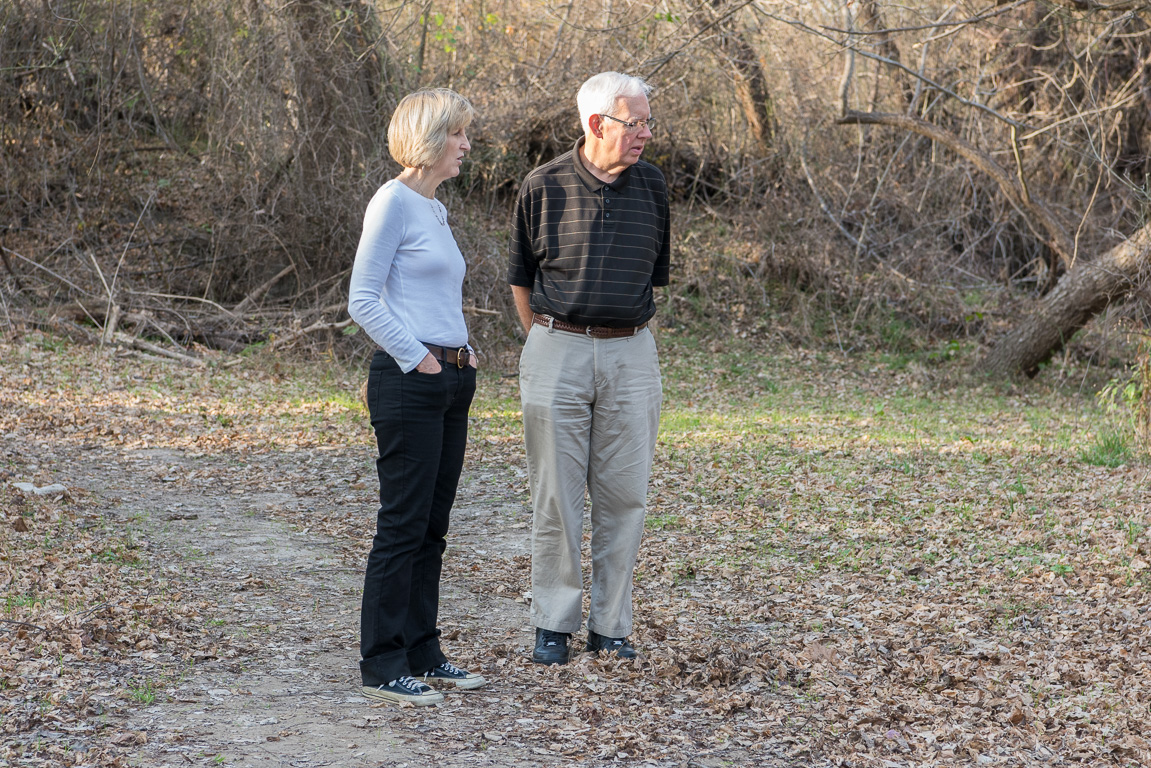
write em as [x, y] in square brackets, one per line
[598, 94]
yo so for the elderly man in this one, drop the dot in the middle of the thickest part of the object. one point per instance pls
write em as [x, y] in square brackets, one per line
[590, 240]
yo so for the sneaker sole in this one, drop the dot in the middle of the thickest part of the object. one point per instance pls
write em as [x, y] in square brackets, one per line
[423, 700]
[467, 684]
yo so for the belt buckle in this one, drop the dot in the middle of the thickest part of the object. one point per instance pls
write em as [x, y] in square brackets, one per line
[462, 357]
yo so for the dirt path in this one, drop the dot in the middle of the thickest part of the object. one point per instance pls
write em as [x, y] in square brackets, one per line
[292, 599]
[234, 531]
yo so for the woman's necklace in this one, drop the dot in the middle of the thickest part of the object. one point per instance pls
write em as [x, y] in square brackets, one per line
[439, 211]
[413, 182]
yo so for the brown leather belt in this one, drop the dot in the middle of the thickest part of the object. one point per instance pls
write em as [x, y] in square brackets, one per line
[594, 331]
[458, 357]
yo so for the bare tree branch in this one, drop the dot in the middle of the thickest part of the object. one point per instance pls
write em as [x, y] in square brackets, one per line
[823, 206]
[255, 295]
[1092, 5]
[898, 65]
[62, 279]
[998, 10]
[1051, 232]
[668, 57]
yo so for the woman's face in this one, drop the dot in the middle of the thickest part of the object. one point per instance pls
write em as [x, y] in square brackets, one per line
[455, 148]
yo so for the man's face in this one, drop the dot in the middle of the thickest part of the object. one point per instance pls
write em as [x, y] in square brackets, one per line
[621, 144]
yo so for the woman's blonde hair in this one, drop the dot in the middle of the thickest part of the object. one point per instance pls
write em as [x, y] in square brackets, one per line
[421, 123]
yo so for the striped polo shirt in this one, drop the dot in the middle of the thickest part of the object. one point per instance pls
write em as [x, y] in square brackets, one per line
[591, 252]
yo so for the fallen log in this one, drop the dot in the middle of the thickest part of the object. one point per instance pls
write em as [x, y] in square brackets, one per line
[1083, 292]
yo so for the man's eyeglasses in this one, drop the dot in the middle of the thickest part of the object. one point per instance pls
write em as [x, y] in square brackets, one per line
[635, 125]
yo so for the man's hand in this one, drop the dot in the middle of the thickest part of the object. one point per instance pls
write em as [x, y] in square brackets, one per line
[429, 364]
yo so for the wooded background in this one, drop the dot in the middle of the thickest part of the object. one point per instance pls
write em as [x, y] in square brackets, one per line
[934, 179]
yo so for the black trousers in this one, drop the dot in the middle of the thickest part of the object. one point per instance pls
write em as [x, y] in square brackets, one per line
[421, 425]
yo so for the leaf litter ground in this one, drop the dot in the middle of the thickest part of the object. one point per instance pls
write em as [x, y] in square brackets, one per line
[844, 565]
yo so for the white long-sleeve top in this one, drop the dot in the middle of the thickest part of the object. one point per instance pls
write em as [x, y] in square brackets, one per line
[407, 280]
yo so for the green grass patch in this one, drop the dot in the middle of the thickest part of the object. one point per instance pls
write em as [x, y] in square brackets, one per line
[1110, 449]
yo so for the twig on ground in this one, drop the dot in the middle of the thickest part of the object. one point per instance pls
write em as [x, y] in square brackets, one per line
[316, 326]
[23, 624]
[155, 349]
[223, 309]
[299, 333]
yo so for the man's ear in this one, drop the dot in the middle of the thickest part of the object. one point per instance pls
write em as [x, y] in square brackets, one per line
[595, 125]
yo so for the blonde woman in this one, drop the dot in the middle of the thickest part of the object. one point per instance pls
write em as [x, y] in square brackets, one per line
[406, 294]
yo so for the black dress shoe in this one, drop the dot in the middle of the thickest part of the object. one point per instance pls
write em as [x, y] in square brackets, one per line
[617, 645]
[551, 647]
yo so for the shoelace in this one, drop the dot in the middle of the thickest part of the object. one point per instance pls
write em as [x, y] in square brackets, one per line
[452, 669]
[410, 684]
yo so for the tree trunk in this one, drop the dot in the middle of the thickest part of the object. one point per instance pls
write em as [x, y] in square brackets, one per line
[1082, 293]
[749, 77]
[870, 17]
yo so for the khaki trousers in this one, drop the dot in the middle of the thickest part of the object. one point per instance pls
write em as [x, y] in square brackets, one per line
[591, 415]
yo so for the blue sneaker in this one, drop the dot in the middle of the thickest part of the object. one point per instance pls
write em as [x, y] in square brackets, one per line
[448, 675]
[406, 690]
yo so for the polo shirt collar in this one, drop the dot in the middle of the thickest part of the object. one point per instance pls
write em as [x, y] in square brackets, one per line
[589, 179]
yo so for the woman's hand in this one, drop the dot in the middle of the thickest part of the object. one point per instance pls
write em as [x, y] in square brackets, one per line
[474, 360]
[429, 364]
